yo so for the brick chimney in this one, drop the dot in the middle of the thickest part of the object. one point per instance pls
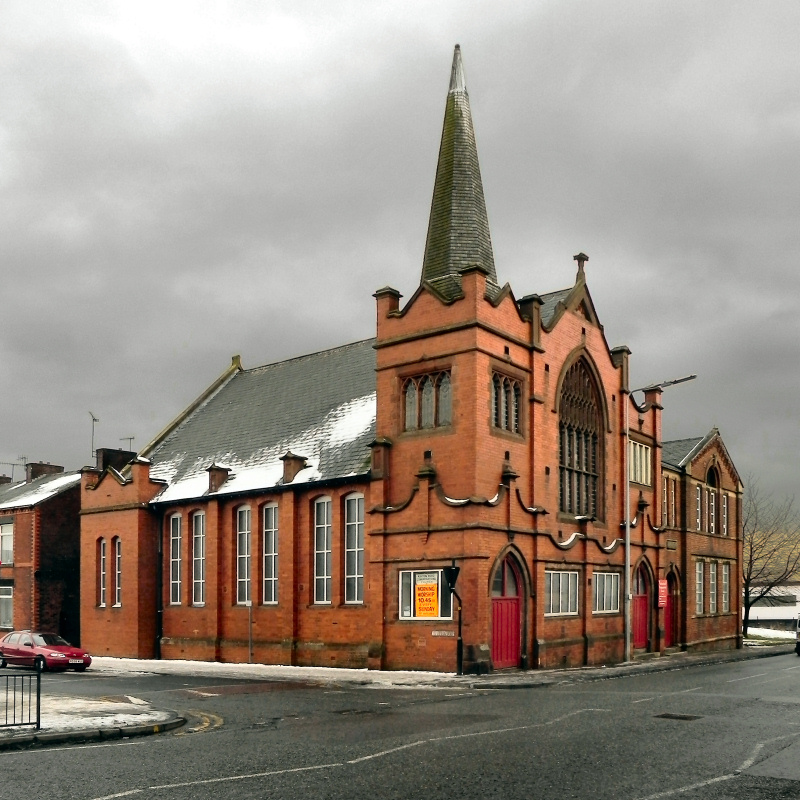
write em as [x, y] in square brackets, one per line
[292, 464]
[217, 475]
[111, 457]
[36, 469]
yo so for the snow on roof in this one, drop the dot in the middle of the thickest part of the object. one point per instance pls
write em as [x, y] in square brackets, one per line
[321, 407]
[25, 495]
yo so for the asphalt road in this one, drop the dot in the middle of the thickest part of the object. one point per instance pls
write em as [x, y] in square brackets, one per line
[718, 731]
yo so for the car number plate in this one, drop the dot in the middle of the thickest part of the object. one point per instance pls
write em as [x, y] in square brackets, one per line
[76, 661]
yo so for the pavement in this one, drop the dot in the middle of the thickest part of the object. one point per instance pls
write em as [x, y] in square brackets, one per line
[71, 719]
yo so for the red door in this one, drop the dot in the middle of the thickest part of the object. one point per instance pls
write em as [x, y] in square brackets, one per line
[506, 616]
[641, 608]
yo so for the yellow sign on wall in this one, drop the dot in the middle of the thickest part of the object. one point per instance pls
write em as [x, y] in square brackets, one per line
[426, 594]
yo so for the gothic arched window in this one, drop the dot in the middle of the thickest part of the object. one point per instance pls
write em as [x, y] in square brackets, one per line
[428, 401]
[506, 399]
[580, 444]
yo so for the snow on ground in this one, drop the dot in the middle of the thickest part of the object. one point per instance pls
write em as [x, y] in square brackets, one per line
[212, 669]
[60, 713]
[769, 633]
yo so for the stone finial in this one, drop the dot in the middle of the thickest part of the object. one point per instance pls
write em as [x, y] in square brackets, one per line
[457, 81]
[581, 258]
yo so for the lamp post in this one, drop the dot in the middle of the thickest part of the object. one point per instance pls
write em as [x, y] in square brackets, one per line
[628, 596]
[451, 576]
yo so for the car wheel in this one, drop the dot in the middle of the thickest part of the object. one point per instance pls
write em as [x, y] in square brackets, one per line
[40, 664]
[2, 663]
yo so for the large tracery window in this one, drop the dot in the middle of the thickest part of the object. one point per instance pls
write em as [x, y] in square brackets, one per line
[428, 401]
[580, 444]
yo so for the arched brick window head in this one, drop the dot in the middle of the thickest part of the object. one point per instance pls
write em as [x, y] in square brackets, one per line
[580, 444]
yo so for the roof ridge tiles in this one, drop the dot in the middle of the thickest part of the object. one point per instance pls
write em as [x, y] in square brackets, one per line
[310, 355]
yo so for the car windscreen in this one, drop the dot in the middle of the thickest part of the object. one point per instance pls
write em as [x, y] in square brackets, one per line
[50, 639]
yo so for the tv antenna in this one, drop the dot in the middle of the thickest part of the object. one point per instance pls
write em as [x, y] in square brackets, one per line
[95, 420]
[129, 440]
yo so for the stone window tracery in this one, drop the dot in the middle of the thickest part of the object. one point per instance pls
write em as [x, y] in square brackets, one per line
[506, 400]
[580, 444]
[427, 401]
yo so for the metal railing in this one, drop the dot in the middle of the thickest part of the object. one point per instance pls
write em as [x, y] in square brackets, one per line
[21, 699]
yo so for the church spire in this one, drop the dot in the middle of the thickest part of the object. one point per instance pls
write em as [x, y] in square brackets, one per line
[458, 230]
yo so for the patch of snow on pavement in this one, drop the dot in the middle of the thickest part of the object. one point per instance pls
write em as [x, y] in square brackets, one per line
[769, 633]
[60, 713]
[322, 675]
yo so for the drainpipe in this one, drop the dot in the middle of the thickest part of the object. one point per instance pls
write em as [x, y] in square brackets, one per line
[159, 583]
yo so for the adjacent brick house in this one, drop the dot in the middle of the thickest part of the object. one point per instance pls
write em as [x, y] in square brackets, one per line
[702, 505]
[305, 512]
[39, 551]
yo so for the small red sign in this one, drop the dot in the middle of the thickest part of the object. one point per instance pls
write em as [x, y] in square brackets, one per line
[662, 592]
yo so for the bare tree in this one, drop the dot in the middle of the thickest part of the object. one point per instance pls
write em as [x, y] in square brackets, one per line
[771, 545]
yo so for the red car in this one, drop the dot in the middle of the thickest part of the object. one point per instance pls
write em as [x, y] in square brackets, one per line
[46, 650]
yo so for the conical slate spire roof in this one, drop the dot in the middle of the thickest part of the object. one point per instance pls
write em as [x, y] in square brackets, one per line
[458, 230]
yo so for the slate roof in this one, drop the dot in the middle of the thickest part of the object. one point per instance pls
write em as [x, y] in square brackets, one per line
[677, 451]
[458, 229]
[321, 406]
[27, 495]
[550, 301]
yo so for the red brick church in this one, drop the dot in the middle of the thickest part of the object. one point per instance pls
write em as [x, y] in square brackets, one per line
[307, 511]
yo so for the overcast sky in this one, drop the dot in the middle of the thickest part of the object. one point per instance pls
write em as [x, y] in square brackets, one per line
[185, 181]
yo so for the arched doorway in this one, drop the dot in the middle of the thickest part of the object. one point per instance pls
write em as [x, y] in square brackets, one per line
[506, 614]
[641, 608]
[671, 612]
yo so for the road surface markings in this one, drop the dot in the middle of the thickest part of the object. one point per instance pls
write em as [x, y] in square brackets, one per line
[73, 747]
[666, 694]
[239, 777]
[208, 722]
[748, 677]
[514, 729]
[386, 752]
[757, 749]
[380, 754]
[720, 778]
[772, 680]
[682, 789]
